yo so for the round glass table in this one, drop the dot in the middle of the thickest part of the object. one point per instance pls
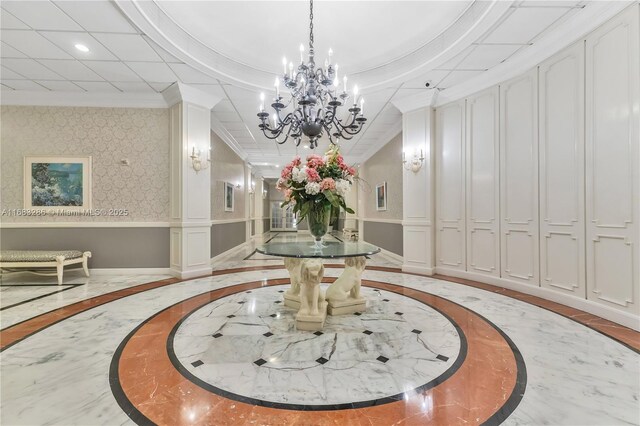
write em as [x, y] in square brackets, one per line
[330, 249]
[304, 263]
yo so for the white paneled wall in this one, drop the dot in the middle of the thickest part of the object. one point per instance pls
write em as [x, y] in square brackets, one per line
[613, 184]
[450, 187]
[537, 180]
[483, 191]
[519, 178]
[562, 253]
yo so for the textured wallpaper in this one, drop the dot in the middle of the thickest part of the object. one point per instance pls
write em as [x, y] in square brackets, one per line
[226, 166]
[108, 135]
[385, 165]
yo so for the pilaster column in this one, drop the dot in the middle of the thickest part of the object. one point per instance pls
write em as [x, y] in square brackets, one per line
[259, 205]
[418, 192]
[190, 231]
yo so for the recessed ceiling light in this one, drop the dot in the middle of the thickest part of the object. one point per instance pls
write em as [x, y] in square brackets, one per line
[82, 47]
[277, 165]
[305, 146]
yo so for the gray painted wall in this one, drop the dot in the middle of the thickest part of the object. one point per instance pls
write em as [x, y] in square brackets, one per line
[110, 247]
[385, 235]
[384, 166]
[225, 236]
[253, 227]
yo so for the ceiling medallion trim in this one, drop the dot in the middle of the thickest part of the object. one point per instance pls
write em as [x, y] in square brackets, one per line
[149, 17]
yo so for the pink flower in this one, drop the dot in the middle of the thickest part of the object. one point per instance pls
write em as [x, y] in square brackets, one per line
[296, 161]
[281, 184]
[312, 175]
[328, 183]
[286, 172]
[315, 161]
[287, 194]
[351, 171]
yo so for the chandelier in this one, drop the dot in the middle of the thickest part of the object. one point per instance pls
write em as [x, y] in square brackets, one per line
[315, 100]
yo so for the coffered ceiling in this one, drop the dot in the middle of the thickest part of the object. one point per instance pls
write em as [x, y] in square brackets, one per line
[233, 49]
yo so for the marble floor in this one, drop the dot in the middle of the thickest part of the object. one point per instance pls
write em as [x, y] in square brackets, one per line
[223, 349]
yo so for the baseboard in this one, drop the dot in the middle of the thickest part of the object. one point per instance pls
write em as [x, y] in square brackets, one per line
[623, 318]
[230, 251]
[130, 271]
[423, 270]
[185, 275]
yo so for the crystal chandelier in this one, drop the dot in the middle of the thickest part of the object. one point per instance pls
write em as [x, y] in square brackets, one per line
[315, 99]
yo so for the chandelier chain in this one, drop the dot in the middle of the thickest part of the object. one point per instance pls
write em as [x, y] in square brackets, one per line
[311, 24]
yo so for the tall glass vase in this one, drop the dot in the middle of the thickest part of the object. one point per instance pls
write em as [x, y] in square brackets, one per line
[318, 219]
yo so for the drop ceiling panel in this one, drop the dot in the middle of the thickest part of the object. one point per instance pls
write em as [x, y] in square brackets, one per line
[71, 70]
[457, 77]
[97, 86]
[160, 87]
[133, 86]
[153, 71]
[227, 116]
[97, 15]
[433, 76]
[33, 44]
[486, 56]
[224, 105]
[31, 69]
[9, 52]
[524, 24]
[113, 71]
[7, 74]
[166, 56]
[60, 86]
[10, 22]
[67, 41]
[41, 15]
[128, 47]
[23, 85]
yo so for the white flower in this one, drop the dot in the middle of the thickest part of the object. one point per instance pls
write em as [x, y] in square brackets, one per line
[299, 175]
[343, 187]
[312, 188]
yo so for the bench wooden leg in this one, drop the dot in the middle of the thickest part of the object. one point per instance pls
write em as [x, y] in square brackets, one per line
[85, 262]
[59, 268]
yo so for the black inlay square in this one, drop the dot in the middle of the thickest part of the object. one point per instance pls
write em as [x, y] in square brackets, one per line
[358, 313]
[231, 316]
[280, 291]
[260, 362]
[240, 303]
[385, 300]
[318, 333]
[217, 335]
[322, 360]
[382, 359]
[367, 332]
[399, 313]
[443, 358]
[273, 315]
[197, 363]
[248, 291]
[268, 334]
[278, 301]
[416, 331]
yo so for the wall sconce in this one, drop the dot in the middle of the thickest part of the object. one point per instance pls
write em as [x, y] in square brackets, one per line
[415, 163]
[264, 194]
[238, 186]
[197, 161]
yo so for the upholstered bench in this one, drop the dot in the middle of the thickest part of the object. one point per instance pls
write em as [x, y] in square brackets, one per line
[13, 260]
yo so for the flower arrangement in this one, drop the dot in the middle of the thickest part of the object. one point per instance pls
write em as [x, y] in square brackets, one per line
[315, 186]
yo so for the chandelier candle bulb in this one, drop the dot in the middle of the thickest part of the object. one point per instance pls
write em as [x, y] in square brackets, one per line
[277, 84]
[284, 65]
[336, 77]
[291, 69]
[344, 80]
[362, 106]
[355, 94]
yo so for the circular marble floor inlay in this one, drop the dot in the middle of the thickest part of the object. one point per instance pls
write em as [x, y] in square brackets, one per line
[245, 345]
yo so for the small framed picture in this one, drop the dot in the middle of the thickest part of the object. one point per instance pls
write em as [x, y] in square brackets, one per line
[381, 196]
[57, 183]
[228, 196]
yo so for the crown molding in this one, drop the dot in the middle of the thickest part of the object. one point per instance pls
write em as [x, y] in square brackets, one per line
[180, 92]
[153, 21]
[83, 99]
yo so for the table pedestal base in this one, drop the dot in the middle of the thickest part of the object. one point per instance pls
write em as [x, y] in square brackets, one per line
[349, 306]
[292, 301]
[308, 322]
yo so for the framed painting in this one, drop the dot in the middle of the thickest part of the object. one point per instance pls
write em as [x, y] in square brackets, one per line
[381, 196]
[57, 183]
[228, 196]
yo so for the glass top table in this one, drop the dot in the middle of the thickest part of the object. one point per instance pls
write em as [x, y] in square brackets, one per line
[331, 249]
